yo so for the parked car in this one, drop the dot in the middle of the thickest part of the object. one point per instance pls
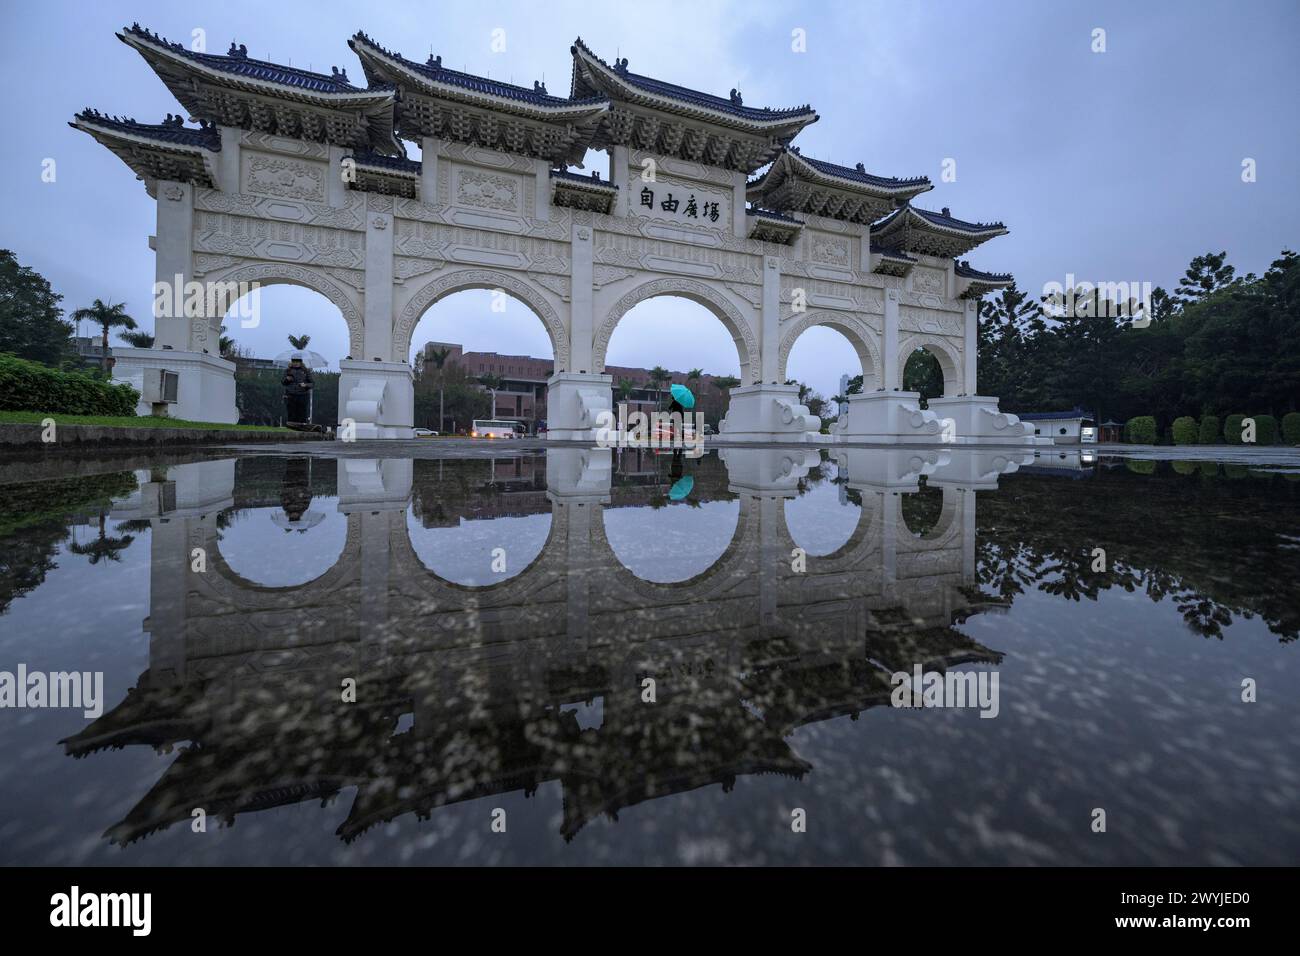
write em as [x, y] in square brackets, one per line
[425, 433]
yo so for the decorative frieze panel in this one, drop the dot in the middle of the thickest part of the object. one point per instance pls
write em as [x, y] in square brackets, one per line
[912, 319]
[282, 177]
[685, 169]
[486, 190]
[406, 268]
[656, 255]
[832, 250]
[479, 246]
[821, 294]
[224, 234]
[281, 144]
[350, 216]
[929, 281]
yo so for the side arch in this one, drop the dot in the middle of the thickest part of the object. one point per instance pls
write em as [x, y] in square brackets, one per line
[703, 294]
[277, 273]
[463, 279]
[947, 355]
[859, 334]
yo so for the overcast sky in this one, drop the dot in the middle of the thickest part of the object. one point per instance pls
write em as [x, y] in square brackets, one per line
[1109, 166]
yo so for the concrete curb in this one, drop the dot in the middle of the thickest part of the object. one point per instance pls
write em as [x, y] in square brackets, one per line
[25, 438]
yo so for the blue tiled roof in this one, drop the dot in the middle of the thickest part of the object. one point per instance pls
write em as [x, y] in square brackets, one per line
[942, 219]
[858, 173]
[171, 130]
[591, 180]
[964, 270]
[237, 63]
[772, 214]
[434, 70]
[1075, 412]
[733, 105]
[396, 163]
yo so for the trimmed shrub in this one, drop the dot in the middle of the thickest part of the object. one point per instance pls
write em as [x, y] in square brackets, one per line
[1232, 429]
[1185, 467]
[1236, 471]
[31, 387]
[1141, 467]
[1209, 433]
[1291, 428]
[1141, 430]
[1265, 430]
[1185, 430]
[1210, 469]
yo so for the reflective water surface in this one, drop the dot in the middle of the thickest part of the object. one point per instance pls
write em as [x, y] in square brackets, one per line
[361, 660]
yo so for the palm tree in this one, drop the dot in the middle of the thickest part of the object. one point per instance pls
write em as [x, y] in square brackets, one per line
[137, 340]
[724, 384]
[491, 383]
[299, 342]
[439, 359]
[103, 548]
[225, 344]
[658, 377]
[106, 317]
[625, 388]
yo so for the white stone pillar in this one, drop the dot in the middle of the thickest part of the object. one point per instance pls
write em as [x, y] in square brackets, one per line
[739, 221]
[582, 317]
[620, 163]
[336, 190]
[173, 264]
[228, 160]
[971, 347]
[770, 316]
[542, 205]
[379, 289]
[864, 250]
[891, 374]
[429, 170]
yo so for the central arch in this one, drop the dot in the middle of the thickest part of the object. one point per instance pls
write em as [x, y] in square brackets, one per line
[491, 279]
[853, 328]
[699, 292]
[949, 359]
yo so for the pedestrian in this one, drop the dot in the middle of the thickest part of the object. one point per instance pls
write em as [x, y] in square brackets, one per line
[297, 384]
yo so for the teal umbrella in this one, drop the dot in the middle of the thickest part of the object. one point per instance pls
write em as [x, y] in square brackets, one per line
[682, 487]
[682, 395]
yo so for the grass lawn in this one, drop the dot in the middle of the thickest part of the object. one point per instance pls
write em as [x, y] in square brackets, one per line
[141, 421]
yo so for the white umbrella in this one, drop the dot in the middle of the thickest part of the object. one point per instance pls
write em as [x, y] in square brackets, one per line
[310, 358]
[309, 519]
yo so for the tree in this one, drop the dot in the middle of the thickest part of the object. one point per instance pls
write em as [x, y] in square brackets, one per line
[724, 384]
[625, 388]
[31, 321]
[226, 346]
[439, 358]
[299, 342]
[139, 339]
[103, 548]
[106, 316]
[1205, 275]
[659, 376]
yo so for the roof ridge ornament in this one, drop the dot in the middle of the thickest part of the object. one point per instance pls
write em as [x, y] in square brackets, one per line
[621, 65]
[238, 52]
[736, 98]
[539, 86]
[860, 167]
[435, 62]
[340, 75]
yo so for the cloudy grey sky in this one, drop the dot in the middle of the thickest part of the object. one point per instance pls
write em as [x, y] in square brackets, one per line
[1111, 166]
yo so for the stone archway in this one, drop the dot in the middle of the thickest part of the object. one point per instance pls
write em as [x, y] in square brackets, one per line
[948, 357]
[273, 273]
[461, 280]
[699, 292]
[853, 328]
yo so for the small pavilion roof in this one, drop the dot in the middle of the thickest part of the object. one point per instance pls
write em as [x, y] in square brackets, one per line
[167, 150]
[772, 226]
[890, 261]
[933, 233]
[978, 283]
[799, 183]
[437, 101]
[236, 90]
[582, 192]
[388, 175]
[654, 115]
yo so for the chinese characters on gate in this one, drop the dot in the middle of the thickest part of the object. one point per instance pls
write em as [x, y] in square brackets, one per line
[708, 210]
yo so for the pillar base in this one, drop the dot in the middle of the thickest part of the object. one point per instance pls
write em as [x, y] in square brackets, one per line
[977, 421]
[206, 391]
[897, 418]
[769, 413]
[379, 397]
[574, 401]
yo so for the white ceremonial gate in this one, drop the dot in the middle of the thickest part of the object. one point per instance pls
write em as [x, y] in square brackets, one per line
[299, 177]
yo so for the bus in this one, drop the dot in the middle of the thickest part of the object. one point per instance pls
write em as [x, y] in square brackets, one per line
[490, 428]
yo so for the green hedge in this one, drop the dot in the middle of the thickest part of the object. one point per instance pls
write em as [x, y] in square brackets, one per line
[1185, 430]
[1141, 430]
[1265, 430]
[1209, 433]
[31, 387]
[1232, 429]
[1291, 428]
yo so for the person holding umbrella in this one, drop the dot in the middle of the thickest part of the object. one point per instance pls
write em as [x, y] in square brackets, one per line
[297, 384]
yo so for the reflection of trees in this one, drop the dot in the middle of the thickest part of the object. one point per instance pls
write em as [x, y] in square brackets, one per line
[103, 547]
[922, 510]
[35, 523]
[1209, 545]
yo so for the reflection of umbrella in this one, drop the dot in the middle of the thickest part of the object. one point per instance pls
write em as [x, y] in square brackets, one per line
[309, 519]
[682, 395]
[310, 358]
[681, 488]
